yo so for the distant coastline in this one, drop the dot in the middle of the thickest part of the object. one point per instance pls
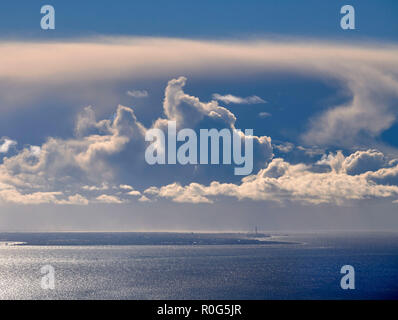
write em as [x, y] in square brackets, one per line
[134, 238]
[11, 243]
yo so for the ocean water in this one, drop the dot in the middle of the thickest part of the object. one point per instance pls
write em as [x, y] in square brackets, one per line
[162, 266]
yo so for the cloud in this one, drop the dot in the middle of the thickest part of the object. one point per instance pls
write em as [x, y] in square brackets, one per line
[387, 176]
[104, 186]
[76, 164]
[126, 187]
[144, 199]
[76, 199]
[356, 163]
[281, 181]
[9, 194]
[285, 147]
[193, 193]
[189, 112]
[367, 73]
[104, 198]
[62, 167]
[75, 170]
[107, 154]
[137, 93]
[134, 193]
[6, 144]
[311, 151]
[14, 196]
[364, 161]
[133, 57]
[264, 114]
[229, 98]
[35, 151]
[370, 110]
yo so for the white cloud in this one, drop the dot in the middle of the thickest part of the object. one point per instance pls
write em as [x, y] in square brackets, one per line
[144, 199]
[104, 198]
[9, 194]
[103, 186]
[370, 111]
[229, 98]
[188, 111]
[126, 187]
[35, 151]
[76, 199]
[356, 163]
[59, 168]
[134, 193]
[63, 164]
[284, 147]
[364, 161]
[137, 93]
[111, 58]
[85, 163]
[282, 181]
[311, 151]
[6, 144]
[14, 196]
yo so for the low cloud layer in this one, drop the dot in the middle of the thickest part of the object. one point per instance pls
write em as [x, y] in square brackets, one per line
[345, 179]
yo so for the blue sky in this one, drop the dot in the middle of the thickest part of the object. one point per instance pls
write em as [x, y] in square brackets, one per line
[205, 19]
[322, 103]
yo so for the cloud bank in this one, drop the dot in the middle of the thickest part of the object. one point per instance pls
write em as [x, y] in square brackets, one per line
[83, 170]
[281, 181]
[103, 156]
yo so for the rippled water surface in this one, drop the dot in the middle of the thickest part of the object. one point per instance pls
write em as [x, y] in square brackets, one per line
[309, 268]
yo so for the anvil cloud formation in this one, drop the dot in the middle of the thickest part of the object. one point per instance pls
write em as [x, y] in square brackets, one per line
[103, 160]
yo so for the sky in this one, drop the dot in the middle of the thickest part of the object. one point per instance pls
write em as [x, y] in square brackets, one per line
[77, 102]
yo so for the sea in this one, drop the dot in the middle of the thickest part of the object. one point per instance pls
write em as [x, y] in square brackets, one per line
[207, 266]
